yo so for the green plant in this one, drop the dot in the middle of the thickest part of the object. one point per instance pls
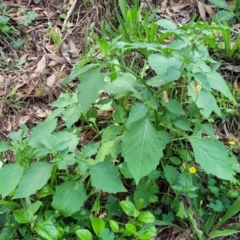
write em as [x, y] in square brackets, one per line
[133, 24]
[100, 176]
[28, 18]
[7, 65]
[226, 12]
[5, 28]
[55, 35]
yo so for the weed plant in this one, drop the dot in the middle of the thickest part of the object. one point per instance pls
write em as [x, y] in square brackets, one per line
[159, 99]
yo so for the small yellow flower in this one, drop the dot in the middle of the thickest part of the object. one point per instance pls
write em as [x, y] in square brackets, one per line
[192, 170]
[231, 143]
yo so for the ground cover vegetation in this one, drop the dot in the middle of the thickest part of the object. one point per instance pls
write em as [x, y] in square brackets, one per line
[145, 145]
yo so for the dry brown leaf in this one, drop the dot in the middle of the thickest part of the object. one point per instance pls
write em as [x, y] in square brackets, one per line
[202, 11]
[24, 57]
[9, 126]
[179, 7]
[23, 120]
[56, 58]
[52, 64]
[51, 80]
[103, 114]
[235, 84]
[18, 18]
[41, 65]
[1, 80]
[22, 81]
[164, 4]
[209, 10]
[12, 15]
[42, 114]
[65, 53]
[72, 47]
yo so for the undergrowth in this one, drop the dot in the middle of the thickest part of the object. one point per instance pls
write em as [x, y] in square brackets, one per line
[138, 148]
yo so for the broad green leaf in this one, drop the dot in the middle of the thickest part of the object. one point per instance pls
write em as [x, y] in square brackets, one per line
[141, 149]
[199, 63]
[202, 78]
[220, 4]
[106, 234]
[131, 228]
[22, 216]
[223, 16]
[105, 176]
[105, 104]
[90, 149]
[98, 225]
[111, 132]
[47, 230]
[167, 24]
[112, 206]
[211, 152]
[4, 146]
[79, 70]
[174, 106]
[110, 148]
[71, 115]
[171, 74]
[64, 100]
[146, 217]
[123, 84]
[119, 115]
[205, 101]
[84, 234]
[180, 42]
[145, 191]
[171, 174]
[48, 141]
[217, 82]
[137, 112]
[10, 176]
[88, 90]
[114, 225]
[34, 178]
[7, 233]
[69, 197]
[33, 208]
[42, 128]
[129, 208]
[156, 81]
[160, 64]
[183, 123]
[67, 139]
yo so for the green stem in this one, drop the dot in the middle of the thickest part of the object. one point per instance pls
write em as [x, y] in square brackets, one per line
[53, 175]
